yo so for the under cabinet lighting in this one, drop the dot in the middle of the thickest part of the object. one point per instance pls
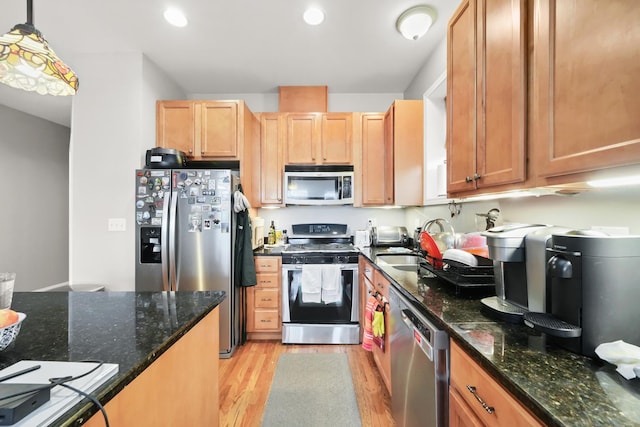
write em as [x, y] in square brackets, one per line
[615, 182]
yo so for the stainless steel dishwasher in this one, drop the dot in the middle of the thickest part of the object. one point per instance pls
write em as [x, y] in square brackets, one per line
[419, 367]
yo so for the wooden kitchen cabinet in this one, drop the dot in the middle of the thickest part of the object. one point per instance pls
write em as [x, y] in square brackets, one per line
[466, 409]
[404, 135]
[214, 130]
[486, 95]
[585, 85]
[376, 161]
[372, 280]
[202, 129]
[319, 138]
[264, 319]
[272, 138]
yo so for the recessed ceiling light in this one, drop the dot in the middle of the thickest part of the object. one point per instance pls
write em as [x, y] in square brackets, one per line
[313, 16]
[175, 17]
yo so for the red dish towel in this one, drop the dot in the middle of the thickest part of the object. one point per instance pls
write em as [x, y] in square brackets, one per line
[367, 336]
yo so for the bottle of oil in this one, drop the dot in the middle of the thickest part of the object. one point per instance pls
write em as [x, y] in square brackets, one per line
[271, 236]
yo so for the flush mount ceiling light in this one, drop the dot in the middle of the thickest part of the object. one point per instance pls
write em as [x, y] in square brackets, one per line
[313, 16]
[414, 23]
[28, 63]
[175, 17]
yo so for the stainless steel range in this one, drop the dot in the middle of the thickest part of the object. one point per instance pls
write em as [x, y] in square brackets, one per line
[320, 286]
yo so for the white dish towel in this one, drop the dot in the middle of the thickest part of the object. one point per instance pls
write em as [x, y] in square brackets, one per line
[311, 283]
[331, 283]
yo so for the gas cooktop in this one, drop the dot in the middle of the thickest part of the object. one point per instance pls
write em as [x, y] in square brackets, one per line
[319, 247]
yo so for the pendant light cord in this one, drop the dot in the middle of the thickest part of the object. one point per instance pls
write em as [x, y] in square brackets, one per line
[30, 12]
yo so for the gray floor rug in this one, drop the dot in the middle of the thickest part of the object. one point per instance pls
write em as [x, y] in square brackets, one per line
[312, 390]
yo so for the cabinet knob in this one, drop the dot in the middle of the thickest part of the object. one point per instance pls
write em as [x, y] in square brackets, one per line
[202, 152]
[476, 177]
[467, 179]
[190, 151]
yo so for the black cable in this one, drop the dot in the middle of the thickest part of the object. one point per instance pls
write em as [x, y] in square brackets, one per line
[61, 382]
[91, 398]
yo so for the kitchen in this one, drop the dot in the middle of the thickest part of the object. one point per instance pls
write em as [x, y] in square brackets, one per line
[128, 141]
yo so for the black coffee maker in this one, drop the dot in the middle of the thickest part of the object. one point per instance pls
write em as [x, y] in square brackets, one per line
[593, 291]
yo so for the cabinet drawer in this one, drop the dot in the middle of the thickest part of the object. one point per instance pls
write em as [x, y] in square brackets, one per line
[267, 264]
[268, 280]
[267, 298]
[507, 411]
[266, 320]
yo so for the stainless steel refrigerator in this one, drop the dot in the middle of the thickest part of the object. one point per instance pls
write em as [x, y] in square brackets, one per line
[185, 237]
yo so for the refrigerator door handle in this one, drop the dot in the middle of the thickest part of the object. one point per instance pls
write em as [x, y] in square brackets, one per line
[164, 241]
[173, 218]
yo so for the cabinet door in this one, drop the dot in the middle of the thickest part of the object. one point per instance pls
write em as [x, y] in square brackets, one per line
[408, 152]
[383, 358]
[374, 161]
[271, 162]
[175, 125]
[460, 415]
[219, 129]
[461, 98]
[389, 173]
[586, 68]
[336, 144]
[501, 92]
[302, 138]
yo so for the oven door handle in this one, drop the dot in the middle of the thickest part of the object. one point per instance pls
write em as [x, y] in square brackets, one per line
[299, 266]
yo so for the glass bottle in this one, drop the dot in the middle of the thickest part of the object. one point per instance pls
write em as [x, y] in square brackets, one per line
[271, 236]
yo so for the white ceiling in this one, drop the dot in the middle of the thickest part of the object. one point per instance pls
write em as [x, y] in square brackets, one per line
[235, 46]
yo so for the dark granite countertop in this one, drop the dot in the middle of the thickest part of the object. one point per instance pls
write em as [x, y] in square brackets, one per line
[131, 329]
[560, 387]
[269, 250]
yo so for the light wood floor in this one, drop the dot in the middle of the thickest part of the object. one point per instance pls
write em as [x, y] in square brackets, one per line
[245, 381]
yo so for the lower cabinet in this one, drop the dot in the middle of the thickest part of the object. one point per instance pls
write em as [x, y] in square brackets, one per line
[475, 399]
[383, 357]
[264, 320]
[371, 281]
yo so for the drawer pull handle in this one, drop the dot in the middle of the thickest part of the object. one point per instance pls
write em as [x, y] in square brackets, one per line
[265, 299]
[489, 409]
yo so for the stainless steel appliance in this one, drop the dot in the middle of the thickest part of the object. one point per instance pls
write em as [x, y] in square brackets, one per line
[320, 286]
[389, 235]
[419, 367]
[506, 246]
[594, 291]
[318, 185]
[185, 235]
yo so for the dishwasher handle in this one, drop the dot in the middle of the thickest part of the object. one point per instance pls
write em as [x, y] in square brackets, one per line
[418, 337]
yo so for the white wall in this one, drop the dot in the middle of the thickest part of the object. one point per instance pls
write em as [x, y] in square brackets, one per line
[34, 221]
[113, 123]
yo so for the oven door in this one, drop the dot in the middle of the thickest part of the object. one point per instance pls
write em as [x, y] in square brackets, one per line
[320, 293]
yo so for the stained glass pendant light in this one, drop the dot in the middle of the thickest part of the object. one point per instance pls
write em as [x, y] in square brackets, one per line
[27, 62]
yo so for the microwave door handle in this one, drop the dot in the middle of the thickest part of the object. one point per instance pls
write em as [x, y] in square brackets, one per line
[340, 188]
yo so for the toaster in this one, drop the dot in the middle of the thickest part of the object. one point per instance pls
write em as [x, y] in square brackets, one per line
[389, 235]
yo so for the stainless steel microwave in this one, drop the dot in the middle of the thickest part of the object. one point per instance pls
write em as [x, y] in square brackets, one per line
[318, 185]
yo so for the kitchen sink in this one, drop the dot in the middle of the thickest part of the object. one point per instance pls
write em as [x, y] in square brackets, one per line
[406, 262]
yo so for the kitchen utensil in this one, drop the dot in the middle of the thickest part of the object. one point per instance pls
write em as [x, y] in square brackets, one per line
[460, 256]
[429, 246]
[445, 239]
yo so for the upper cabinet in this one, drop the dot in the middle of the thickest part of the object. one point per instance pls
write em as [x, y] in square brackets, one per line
[272, 135]
[585, 85]
[404, 132]
[202, 129]
[319, 138]
[375, 182]
[486, 95]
